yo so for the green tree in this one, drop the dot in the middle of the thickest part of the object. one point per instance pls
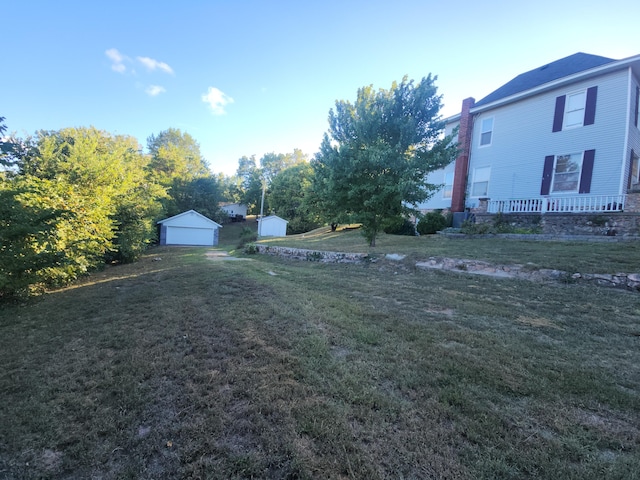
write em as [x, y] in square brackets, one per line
[250, 182]
[176, 163]
[106, 178]
[374, 160]
[290, 195]
[272, 164]
[175, 155]
[230, 188]
[201, 194]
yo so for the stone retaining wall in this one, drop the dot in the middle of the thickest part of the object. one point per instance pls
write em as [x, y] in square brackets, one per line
[629, 281]
[311, 255]
[611, 224]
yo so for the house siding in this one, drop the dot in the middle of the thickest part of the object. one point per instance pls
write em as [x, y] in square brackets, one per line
[522, 137]
[437, 177]
[633, 133]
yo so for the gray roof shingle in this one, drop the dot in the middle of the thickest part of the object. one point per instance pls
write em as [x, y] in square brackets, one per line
[564, 67]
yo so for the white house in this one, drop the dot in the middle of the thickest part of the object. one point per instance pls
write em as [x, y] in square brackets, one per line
[272, 226]
[236, 211]
[189, 228]
[563, 137]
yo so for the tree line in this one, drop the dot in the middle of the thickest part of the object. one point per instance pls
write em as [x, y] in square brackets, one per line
[73, 199]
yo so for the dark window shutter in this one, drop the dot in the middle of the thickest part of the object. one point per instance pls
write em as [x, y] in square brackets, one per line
[547, 174]
[587, 171]
[590, 107]
[558, 116]
[635, 122]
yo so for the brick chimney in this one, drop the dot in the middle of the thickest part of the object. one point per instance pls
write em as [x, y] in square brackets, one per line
[462, 160]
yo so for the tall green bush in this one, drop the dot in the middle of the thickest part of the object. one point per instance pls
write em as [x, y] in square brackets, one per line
[432, 222]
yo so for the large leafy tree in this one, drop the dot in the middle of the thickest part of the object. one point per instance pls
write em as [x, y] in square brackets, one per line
[374, 159]
[177, 164]
[272, 164]
[175, 154]
[291, 197]
[76, 198]
[251, 180]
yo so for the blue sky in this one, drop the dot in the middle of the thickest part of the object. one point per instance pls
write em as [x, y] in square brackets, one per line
[252, 77]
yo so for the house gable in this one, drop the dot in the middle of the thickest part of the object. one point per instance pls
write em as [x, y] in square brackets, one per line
[190, 218]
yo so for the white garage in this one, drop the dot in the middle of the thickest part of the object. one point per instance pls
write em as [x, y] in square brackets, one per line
[189, 228]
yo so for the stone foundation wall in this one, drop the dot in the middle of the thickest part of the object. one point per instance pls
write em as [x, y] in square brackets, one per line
[613, 224]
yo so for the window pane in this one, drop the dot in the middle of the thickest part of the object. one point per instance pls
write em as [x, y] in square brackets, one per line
[575, 102]
[480, 186]
[574, 118]
[479, 189]
[566, 176]
[485, 132]
[574, 110]
[448, 185]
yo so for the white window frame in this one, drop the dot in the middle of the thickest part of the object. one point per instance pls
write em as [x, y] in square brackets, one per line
[635, 169]
[479, 175]
[448, 192]
[484, 131]
[574, 109]
[636, 112]
[555, 174]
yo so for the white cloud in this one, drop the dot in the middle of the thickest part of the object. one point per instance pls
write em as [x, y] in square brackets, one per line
[152, 64]
[217, 100]
[117, 60]
[154, 90]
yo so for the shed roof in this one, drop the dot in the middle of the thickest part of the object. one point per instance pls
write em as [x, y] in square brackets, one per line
[273, 217]
[578, 62]
[190, 212]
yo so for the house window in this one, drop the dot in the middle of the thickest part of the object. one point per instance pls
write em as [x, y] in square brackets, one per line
[635, 169]
[486, 132]
[480, 184]
[575, 109]
[566, 173]
[447, 192]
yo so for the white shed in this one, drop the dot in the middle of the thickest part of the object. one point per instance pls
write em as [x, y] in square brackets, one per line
[189, 228]
[272, 226]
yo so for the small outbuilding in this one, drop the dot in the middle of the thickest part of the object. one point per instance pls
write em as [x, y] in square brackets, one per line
[189, 228]
[272, 226]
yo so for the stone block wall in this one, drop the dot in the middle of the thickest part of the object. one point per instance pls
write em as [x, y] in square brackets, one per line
[624, 224]
[310, 255]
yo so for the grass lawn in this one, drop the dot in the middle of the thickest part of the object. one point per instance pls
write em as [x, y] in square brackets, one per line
[576, 256]
[179, 366]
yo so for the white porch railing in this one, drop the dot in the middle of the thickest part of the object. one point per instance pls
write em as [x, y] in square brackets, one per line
[577, 204]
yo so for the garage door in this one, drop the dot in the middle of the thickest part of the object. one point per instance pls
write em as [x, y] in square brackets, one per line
[189, 236]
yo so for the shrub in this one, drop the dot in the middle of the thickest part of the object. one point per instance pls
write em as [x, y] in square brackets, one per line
[247, 235]
[432, 222]
[250, 249]
[400, 226]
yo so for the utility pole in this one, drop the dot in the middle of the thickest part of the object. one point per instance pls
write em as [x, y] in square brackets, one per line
[261, 210]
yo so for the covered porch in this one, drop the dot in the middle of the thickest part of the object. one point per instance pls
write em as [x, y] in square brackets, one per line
[545, 204]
